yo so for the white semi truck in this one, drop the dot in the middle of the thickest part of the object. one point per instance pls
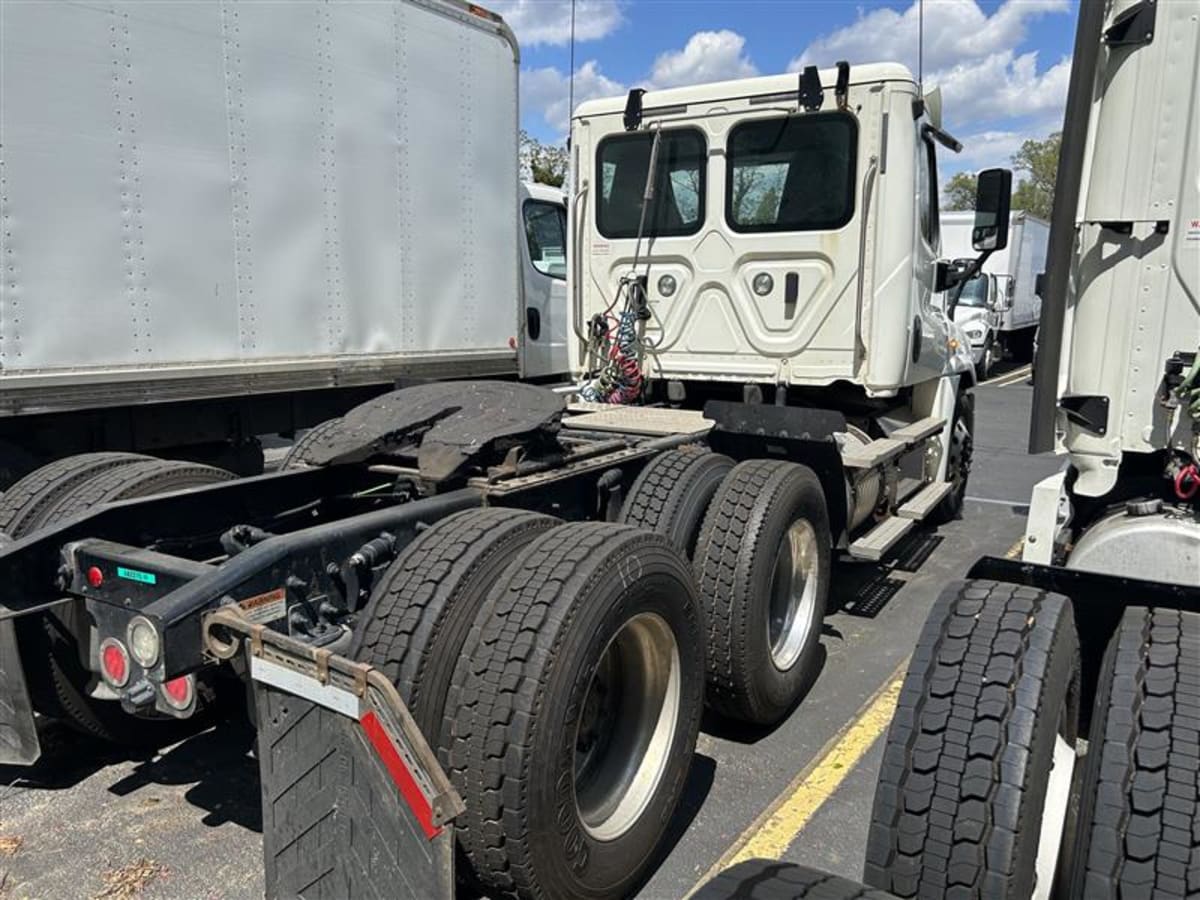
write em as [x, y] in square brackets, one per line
[999, 308]
[502, 608]
[224, 220]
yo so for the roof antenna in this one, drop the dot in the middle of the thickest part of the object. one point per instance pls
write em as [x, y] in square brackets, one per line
[920, 45]
[571, 83]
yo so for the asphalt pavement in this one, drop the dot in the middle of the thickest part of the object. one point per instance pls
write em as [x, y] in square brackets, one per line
[88, 821]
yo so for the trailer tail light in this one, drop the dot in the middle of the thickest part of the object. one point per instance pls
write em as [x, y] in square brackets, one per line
[114, 662]
[95, 577]
[180, 692]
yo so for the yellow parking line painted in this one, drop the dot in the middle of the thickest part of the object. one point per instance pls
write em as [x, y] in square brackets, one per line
[777, 826]
[1015, 550]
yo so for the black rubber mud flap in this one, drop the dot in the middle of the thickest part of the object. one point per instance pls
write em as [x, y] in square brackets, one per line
[354, 803]
[336, 823]
[19, 743]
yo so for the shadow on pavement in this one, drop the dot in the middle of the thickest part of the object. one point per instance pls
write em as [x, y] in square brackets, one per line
[217, 762]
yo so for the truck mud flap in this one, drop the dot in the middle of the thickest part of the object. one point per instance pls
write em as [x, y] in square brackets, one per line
[19, 743]
[354, 803]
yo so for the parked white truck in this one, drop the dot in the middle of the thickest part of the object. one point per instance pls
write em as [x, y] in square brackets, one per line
[503, 609]
[225, 220]
[999, 308]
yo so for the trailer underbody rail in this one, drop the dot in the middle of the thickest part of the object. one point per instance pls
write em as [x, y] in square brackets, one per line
[354, 801]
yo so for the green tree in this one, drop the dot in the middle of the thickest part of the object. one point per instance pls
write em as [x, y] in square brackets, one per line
[1038, 160]
[959, 192]
[543, 163]
[768, 207]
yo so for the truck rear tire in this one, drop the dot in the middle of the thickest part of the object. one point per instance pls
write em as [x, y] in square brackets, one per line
[25, 503]
[672, 493]
[763, 564]
[297, 456]
[1139, 816]
[574, 712]
[770, 879]
[51, 643]
[974, 794]
[423, 607]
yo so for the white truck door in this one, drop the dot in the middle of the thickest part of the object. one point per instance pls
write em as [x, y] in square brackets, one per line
[544, 268]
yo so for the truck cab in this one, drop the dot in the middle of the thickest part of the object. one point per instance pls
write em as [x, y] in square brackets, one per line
[543, 344]
[792, 238]
[979, 311]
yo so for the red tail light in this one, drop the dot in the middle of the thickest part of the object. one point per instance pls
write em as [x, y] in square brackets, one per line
[95, 577]
[179, 692]
[114, 662]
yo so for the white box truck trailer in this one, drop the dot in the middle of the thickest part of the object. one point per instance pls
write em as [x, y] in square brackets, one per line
[999, 308]
[224, 220]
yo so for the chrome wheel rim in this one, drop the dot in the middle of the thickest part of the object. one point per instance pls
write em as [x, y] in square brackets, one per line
[625, 730]
[793, 594]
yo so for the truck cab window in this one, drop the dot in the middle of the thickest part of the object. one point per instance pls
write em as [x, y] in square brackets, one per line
[678, 205]
[794, 173]
[927, 201]
[546, 237]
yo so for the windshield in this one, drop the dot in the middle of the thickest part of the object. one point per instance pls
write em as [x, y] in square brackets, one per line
[678, 205]
[974, 292]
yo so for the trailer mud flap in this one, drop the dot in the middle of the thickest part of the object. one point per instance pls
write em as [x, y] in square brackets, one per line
[19, 743]
[354, 803]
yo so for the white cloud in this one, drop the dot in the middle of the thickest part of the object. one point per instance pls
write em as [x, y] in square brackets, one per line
[549, 21]
[707, 56]
[955, 31]
[547, 90]
[1002, 86]
[990, 90]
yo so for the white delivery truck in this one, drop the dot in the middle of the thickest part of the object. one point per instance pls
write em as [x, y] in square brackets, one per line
[999, 307]
[226, 220]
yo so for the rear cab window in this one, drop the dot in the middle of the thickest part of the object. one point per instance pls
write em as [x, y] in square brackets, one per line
[678, 206]
[791, 173]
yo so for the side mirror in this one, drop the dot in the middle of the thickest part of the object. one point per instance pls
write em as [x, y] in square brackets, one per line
[993, 194]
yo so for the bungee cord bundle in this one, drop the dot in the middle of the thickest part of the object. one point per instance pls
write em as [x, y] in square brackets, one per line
[617, 347]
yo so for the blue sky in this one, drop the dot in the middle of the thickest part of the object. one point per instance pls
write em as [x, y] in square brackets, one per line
[1002, 64]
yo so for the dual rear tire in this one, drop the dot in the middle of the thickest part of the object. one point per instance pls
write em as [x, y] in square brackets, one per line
[558, 671]
[979, 793]
[758, 536]
[54, 645]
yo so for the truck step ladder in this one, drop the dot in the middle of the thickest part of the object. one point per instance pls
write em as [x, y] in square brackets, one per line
[923, 503]
[899, 441]
[880, 539]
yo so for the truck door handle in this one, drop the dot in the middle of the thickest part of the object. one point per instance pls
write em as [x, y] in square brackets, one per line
[533, 323]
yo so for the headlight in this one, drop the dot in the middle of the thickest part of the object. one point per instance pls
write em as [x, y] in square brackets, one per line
[143, 642]
[975, 332]
[666, 285]
[763, 284]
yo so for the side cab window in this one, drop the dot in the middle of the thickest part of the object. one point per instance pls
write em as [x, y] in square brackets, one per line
[927, 191]
[546, 237]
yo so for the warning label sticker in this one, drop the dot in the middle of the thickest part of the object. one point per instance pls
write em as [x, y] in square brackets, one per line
[263, 608]
[1193, 230]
